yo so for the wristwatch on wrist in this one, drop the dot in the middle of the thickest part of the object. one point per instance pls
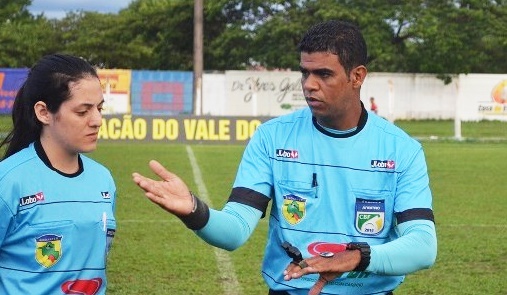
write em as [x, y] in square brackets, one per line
[365, 254]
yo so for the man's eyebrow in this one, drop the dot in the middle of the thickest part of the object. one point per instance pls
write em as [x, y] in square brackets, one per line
[323, 71]
[318, 71]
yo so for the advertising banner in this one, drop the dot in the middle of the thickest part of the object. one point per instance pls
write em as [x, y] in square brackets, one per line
[263, 93]
[116, 88]
[483, 96]
[10, 82]
[179, 129]
[161, 93]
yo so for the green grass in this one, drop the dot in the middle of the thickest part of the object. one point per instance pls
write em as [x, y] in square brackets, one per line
[466, 180]
[153, 253]
[483, 130]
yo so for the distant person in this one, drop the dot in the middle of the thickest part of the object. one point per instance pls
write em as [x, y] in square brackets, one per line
[351, 208]
[56, 205]
[373, 105]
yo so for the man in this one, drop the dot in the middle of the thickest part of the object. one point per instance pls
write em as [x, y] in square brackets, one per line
[350, 191]
[373, 105]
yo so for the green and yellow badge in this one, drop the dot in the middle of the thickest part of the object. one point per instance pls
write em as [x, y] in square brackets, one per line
[48, 250]
[370, 216]
[294, 208]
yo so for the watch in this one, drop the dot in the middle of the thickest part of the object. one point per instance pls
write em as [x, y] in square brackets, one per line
[365, 254]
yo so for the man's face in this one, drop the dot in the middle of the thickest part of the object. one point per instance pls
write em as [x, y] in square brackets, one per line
[331, 93]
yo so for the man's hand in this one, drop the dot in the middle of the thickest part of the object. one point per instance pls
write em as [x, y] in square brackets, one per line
[329, 268]
[170, 193]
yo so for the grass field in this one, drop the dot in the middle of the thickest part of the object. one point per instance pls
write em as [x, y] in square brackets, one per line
[153, 253]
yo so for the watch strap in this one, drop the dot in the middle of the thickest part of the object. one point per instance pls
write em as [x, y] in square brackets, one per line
[365, 250]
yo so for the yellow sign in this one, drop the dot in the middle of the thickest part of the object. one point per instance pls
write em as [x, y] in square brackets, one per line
[180, 129]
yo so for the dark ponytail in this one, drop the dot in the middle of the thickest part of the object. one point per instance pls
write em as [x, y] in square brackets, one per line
[26, 126]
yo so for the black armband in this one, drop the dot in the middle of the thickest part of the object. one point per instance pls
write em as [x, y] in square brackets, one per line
[199, 216]
[364, 248]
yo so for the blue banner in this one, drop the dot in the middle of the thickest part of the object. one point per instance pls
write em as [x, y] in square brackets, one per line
[10, 82]
[161, 92]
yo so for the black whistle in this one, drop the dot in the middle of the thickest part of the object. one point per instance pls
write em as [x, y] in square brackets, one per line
[293, 252]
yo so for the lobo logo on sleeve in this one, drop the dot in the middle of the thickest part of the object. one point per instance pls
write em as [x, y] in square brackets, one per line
[369, 216]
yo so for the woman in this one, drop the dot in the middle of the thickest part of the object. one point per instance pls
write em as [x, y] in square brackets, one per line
[56, 205]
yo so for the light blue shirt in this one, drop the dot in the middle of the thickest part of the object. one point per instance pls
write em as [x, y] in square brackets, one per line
[330, 188]
[55, 229]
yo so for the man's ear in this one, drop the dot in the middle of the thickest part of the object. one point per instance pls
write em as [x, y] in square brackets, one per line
[41, 112]
[357, 75]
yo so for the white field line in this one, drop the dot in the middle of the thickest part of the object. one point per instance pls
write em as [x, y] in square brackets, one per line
[227, 273]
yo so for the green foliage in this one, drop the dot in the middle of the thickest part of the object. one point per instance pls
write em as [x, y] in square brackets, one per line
[89, 35]
[14, 10]
[24, 38]
[415, 36]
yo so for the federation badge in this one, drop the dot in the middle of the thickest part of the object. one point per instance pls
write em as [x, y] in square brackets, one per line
[293, 209]
[48, 250]
[369, 216]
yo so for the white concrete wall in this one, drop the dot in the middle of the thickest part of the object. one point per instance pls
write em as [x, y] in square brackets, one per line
[398, 95]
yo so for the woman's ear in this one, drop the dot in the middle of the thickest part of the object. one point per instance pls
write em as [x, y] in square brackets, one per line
[41, 112]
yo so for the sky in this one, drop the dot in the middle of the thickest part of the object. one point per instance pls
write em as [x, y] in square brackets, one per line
[58, 8]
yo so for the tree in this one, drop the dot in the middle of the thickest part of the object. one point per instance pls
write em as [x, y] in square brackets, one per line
[100, 39]
[24, 38]
[12, 10]
[443, 37]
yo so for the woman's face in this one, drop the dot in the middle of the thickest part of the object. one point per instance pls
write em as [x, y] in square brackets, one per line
[74, 128]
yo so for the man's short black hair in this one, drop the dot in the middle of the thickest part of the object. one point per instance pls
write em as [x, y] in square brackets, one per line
[338, 37]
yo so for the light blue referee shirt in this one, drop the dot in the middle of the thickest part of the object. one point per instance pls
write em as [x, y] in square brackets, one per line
[55, 228]
[328, 189]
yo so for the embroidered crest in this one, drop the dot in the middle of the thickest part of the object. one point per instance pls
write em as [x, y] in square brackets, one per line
[369, 216]
[48, 250]
[293, 209]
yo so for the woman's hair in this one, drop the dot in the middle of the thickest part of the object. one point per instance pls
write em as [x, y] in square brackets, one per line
[47, 81]
[338, 37]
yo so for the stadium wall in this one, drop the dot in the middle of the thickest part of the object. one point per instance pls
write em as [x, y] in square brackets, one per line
[471, 97]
